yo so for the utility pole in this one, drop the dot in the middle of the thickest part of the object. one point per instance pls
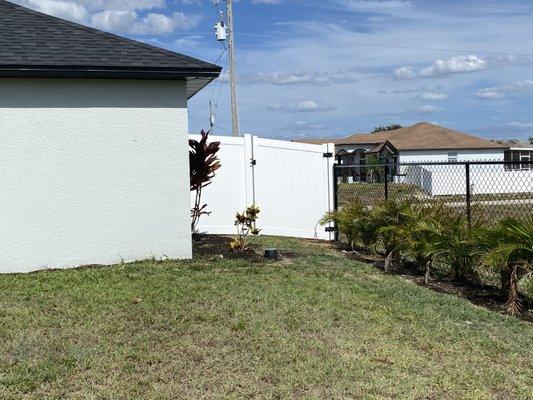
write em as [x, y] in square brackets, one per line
[232, 70]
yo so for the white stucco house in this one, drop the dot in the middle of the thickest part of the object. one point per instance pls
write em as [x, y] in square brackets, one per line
[93, 145]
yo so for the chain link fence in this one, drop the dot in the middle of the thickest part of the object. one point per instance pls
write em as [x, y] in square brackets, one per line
[482, 192]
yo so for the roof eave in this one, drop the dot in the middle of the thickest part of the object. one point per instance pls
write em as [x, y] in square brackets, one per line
[200, 76]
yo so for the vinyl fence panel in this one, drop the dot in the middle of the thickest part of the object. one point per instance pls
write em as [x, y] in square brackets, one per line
[292, 183]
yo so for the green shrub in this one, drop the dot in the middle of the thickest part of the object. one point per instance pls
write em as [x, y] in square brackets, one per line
[440, 233]
[509, 249]
[354, 222]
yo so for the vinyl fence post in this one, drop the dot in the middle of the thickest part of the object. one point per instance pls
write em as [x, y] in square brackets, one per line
[468, 195]
[386, 181]
[335, 198]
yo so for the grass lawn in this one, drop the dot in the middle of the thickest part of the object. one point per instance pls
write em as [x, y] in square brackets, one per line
[316, 325]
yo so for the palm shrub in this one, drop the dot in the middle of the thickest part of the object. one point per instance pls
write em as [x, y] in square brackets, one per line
[392, 220]
[424, 241]
[509, 248]
[459, 246]
[354, 222]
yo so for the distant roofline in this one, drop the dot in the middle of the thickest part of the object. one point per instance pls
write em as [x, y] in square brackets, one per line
[365, 140]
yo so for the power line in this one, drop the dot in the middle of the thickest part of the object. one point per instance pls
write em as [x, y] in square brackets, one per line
[393, 46]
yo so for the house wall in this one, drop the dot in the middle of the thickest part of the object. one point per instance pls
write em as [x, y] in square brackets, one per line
[442, 155]
[92, 172]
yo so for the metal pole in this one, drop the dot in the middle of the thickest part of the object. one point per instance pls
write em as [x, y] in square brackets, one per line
[232, 71]
[468, 195]
[386, 181]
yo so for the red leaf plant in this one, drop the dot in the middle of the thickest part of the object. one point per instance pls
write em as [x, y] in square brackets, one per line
[204, 162]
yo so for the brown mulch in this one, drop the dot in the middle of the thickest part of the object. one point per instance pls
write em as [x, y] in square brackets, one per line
[217, 247]
[489, 297]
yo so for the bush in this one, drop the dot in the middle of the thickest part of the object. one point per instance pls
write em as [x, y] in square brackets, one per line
[439, 233]
[509, 249]
[245, 224]
[354, 221]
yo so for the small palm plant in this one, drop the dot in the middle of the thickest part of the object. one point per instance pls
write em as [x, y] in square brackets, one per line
[425, 242]
[392, 220]
[354, 222]
[459, 248]
[509, 249]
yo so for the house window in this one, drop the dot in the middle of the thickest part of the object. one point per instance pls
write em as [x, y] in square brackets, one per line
[452, 156]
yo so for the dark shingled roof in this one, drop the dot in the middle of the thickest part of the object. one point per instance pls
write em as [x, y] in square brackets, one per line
[37, 45]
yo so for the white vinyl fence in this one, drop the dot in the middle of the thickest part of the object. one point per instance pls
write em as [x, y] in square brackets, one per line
[292, 183]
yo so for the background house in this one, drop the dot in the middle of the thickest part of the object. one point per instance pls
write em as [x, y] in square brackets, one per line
[422, 142]
[94, 144]
[518, 151]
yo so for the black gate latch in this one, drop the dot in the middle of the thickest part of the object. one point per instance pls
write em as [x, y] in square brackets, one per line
[328, 155]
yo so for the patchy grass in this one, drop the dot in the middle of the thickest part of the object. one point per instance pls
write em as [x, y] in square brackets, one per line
[314, 325]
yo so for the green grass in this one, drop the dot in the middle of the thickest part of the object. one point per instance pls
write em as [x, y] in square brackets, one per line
[317, 325]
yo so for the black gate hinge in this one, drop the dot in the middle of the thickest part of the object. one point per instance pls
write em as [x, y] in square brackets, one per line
[253, 162]
[330, 229]
[327, 155]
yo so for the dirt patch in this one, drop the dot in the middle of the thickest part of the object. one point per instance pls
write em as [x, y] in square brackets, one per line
[217, 246]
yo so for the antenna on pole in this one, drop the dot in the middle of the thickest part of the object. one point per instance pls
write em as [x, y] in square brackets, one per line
[212, 118]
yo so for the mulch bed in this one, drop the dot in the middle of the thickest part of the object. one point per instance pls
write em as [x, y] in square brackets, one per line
[217, 246]
[486, 296]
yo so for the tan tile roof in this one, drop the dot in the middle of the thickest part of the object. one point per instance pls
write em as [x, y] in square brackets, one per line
[421, 136]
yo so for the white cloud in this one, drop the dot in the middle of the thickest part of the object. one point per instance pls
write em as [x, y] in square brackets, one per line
[303, 106]
[271, 2]
[307, 126]
[276, 106]
[500, 92]
[434, 96]
[375, 5]
[521, 125]
[306, 106]
[63, 9]
[428, 109]
[300, 78]
[116, 15]
[490, 94]
[454, 65]
[153, 23]
[404, 73]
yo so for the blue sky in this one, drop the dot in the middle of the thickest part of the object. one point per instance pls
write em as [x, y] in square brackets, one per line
[310, 68]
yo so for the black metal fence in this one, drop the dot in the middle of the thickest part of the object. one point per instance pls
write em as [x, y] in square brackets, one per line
[484, 191]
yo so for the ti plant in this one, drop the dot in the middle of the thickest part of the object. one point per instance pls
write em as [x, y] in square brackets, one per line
[204, 163]
[245, 224]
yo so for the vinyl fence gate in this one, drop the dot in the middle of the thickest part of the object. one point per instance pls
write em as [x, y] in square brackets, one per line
[292, 183]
